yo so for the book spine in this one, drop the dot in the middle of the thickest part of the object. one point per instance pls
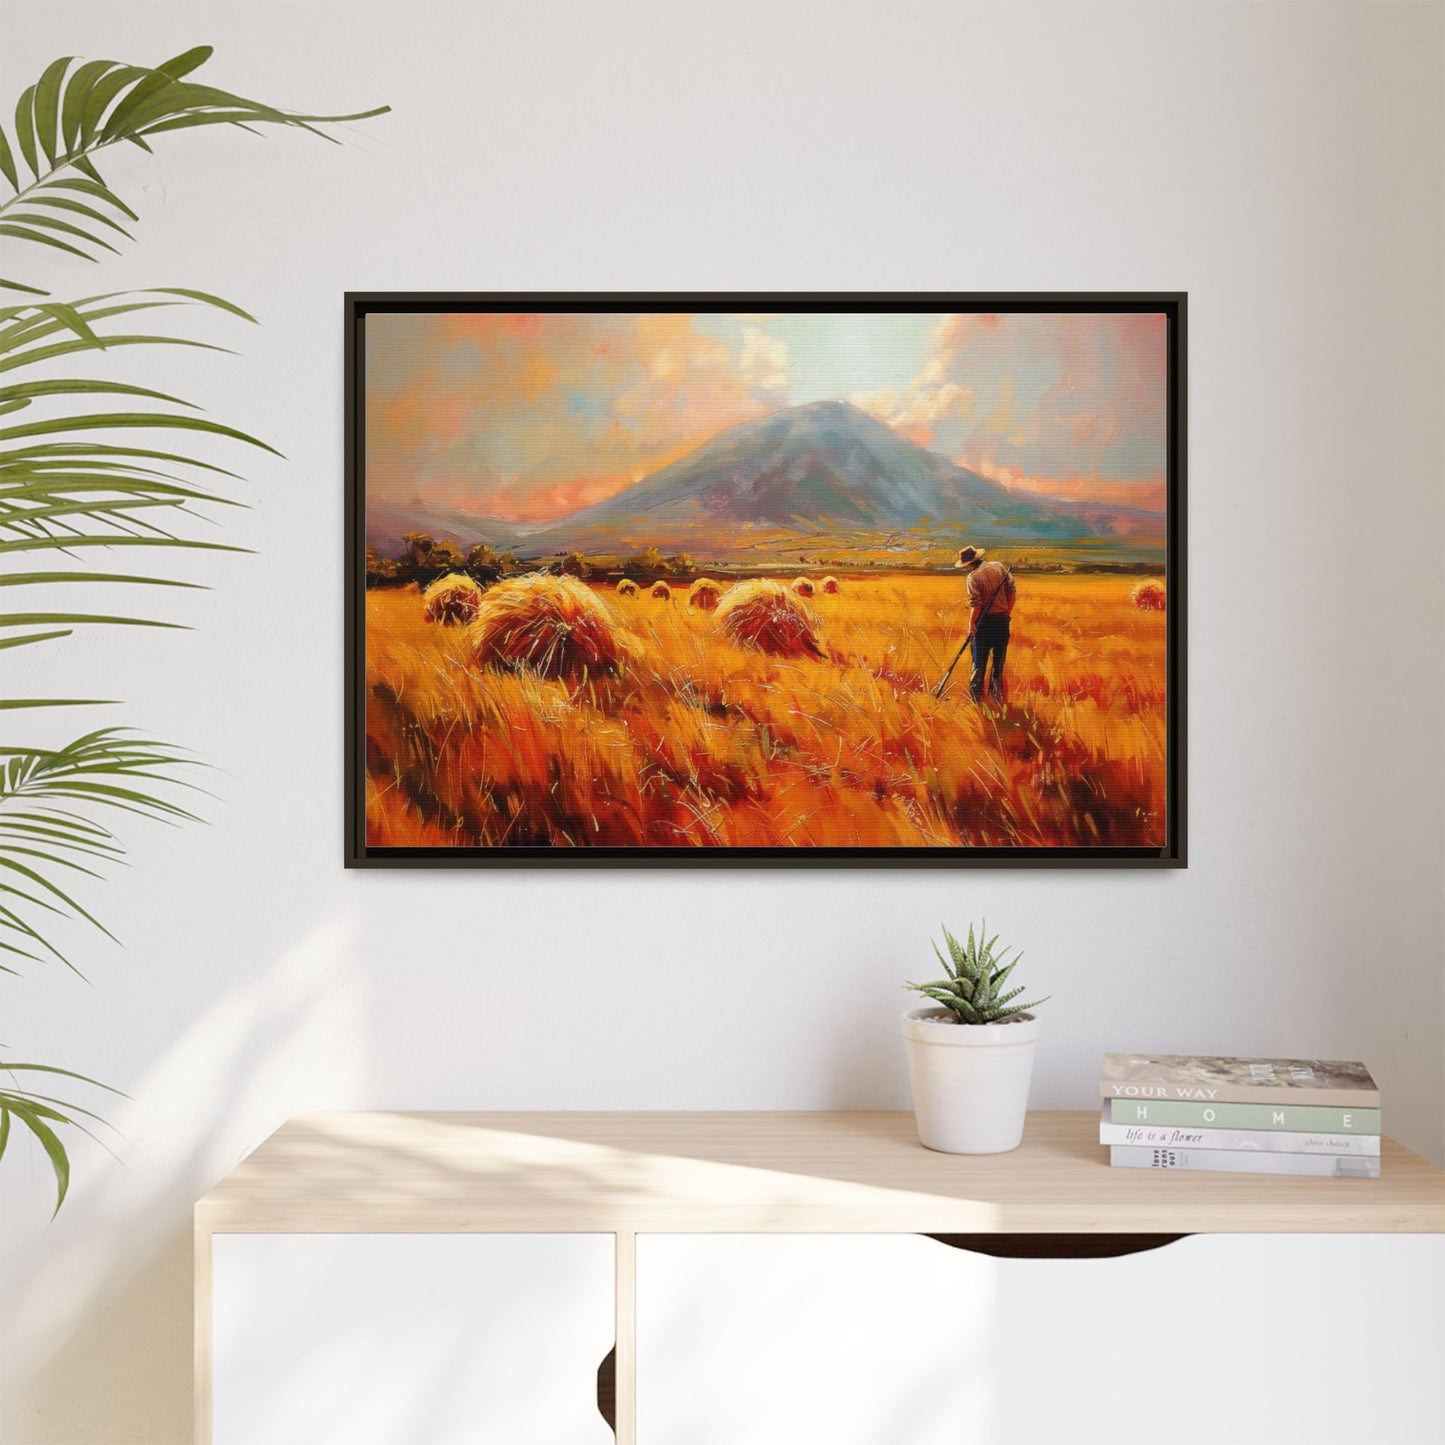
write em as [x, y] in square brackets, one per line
[1297, 1118]
[1240, 1094]
[1233, 1161]
[1266, 1141]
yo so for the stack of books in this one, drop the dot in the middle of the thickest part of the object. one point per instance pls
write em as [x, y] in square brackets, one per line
[1242, 1116]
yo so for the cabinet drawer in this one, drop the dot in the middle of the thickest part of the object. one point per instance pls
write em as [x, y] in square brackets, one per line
[867, 1339]
[391, 1339]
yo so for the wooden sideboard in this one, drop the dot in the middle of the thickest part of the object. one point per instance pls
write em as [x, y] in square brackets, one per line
[602, 1187]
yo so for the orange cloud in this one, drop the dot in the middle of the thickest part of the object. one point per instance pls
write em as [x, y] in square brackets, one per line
[764, 360]
[1148, 496]
[918, 411]
[1057, 394]
[527, 417]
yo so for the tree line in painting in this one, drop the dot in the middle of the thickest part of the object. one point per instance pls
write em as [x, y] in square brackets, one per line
[424, 560]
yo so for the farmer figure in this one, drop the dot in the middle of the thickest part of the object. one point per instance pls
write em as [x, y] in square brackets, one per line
[991, 597]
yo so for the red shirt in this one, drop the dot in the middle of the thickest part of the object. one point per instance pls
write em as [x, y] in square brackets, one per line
[991, 588]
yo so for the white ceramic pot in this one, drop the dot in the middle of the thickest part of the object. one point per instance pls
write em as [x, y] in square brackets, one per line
[970, 1081]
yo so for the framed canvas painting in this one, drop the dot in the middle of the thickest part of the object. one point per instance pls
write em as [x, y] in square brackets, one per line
[765, 579]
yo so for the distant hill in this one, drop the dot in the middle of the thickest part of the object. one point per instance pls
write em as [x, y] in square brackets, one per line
[1108, 519]
[385, 525]
[827, 470]
[803, 477]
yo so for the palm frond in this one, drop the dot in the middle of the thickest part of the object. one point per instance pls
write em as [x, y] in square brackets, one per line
[73, 482]
[43, 837]
[40, 1113]
[75, 111]
[63, 491]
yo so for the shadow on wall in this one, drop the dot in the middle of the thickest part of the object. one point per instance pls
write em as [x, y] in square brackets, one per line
[98, 1330]
[122, 1375]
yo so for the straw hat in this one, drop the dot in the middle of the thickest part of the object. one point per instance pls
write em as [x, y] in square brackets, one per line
[969, 557]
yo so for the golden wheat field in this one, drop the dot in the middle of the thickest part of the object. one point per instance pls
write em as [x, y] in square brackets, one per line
[699, 743]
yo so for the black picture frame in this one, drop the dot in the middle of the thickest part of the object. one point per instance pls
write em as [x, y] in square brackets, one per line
[1173, 853]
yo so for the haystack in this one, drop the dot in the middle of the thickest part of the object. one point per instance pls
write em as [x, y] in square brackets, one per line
[555, 626]
[661, 591]
[704, 594]
[1150, 597]
[829, 584]
[627, 588]
[451, 599]
[803, 586]
[765, 615]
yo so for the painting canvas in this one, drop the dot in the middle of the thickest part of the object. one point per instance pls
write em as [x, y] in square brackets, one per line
[765, 579]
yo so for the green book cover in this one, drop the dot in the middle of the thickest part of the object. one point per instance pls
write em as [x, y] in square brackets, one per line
[1307, 1118]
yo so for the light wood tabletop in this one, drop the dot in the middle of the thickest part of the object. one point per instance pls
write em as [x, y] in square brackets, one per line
[748, 1172]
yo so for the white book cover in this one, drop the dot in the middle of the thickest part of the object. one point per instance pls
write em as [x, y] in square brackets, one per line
[1234, 1161]
[1263, 1141]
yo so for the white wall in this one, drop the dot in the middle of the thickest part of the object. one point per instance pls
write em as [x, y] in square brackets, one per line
[1284, 165]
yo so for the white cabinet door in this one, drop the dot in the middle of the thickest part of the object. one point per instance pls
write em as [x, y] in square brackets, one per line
[900, 1340]
[399, 1339]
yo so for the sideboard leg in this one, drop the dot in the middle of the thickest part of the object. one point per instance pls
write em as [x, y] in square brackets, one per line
[625, 1426]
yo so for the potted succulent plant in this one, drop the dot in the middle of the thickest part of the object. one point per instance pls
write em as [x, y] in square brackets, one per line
[970, 1058]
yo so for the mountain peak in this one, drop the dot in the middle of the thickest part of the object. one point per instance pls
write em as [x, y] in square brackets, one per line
[822, 468]
[828, 406]
[831, 411]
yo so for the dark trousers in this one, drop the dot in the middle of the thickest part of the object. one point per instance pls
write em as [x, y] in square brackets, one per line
[990, 639]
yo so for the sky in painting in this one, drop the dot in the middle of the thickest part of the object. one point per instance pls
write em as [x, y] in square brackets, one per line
[529, 417]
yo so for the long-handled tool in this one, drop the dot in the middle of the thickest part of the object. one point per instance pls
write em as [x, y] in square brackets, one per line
[943, 681]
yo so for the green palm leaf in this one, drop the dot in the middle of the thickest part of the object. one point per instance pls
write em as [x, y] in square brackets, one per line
[79, 208]
[25, 233]
[72, 483]
[109, 768]
[39, 1113]
[29, 1114]
[33, 390]
[69, 116]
